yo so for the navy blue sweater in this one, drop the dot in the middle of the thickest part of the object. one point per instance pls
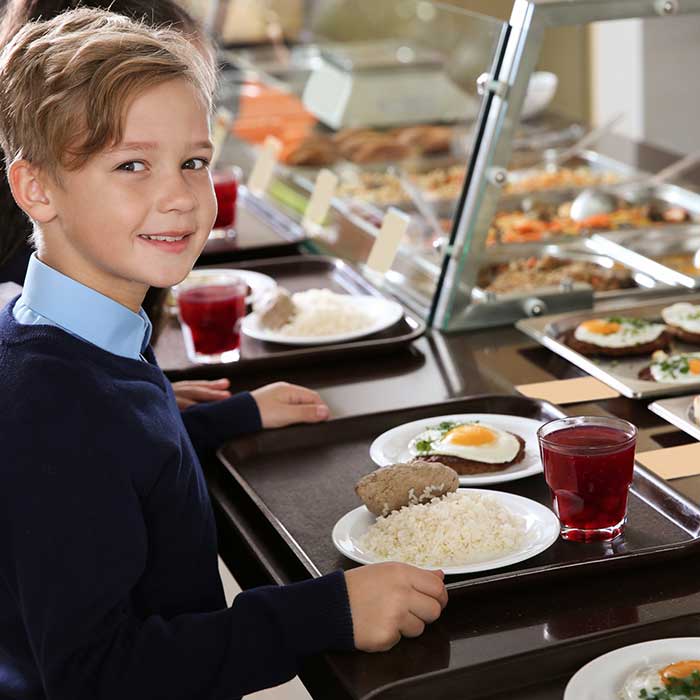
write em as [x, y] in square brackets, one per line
[109, 586]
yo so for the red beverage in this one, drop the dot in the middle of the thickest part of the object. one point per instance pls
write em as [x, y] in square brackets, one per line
[226, 191]
[211, 316]
[588, 465]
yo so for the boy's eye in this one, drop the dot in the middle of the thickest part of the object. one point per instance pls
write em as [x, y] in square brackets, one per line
[195, 164]
[133, 166]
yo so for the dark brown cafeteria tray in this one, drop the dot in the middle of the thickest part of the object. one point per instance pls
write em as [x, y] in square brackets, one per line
[537, 675]
[296, 273]
[302, 478]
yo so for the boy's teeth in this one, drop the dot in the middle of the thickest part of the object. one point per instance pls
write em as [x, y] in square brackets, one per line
[163, 238]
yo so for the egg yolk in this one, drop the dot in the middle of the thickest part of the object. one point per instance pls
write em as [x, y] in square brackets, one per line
[694, 366]
[681, 669]
[601, 327]
[470, 435]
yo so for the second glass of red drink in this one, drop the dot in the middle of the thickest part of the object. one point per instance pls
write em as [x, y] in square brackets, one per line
[588, 465]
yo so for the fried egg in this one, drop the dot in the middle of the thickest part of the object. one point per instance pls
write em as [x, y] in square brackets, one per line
[655, 680]
[474, 441]
[683, 368]
[685, 316]
[618, 332]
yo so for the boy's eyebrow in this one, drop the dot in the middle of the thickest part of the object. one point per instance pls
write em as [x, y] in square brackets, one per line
[152, 145]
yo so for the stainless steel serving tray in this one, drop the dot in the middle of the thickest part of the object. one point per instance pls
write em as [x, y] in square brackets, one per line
[642, 249]
[621, 373]
[645, 285]
[678, 412]
[586, 159]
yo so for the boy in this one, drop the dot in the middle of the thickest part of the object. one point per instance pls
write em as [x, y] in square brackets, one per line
[108, 577]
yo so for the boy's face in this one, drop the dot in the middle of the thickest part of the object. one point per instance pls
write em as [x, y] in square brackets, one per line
[155, 183]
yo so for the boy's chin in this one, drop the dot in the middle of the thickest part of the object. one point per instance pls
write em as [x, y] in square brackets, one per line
[170, 277]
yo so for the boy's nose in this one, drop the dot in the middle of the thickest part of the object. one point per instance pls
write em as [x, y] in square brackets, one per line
[175, 194]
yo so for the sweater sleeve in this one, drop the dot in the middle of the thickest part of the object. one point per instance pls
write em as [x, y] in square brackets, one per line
[211, 424]
[76, 546]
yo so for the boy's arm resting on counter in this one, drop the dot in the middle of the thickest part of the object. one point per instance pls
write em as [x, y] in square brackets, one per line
[211, 424]
[78, 546]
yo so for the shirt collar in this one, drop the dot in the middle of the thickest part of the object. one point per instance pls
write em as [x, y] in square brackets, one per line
[84, 312]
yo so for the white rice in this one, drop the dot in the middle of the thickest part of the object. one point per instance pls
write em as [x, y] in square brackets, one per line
[322, 312]
[453, 530]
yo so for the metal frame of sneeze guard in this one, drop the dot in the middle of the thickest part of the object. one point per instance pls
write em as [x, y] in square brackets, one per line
[452, 308]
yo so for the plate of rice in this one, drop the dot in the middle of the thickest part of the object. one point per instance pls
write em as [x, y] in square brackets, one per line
[324, 317]
[463, 532]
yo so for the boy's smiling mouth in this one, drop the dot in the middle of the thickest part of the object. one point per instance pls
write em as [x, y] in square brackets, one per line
[172, 241]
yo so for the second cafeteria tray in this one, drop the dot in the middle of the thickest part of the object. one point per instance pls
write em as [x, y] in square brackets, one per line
[542, 674]
[620, 373]
[296, 273]
[302, 479]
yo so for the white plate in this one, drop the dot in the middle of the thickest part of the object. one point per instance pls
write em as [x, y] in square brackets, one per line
[542, 531]
[384, 313]
[604, 677]
[257, 282]
[391, 447]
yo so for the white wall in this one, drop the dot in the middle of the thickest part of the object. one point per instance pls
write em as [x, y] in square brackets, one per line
[650, 70]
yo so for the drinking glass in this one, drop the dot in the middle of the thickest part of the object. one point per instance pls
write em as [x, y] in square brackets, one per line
[588, 465]
[210, 316]
[226, 181]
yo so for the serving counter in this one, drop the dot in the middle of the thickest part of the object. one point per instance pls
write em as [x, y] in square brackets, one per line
[491, 642]
[556, 626]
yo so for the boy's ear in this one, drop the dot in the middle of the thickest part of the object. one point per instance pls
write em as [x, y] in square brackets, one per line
[28, 185]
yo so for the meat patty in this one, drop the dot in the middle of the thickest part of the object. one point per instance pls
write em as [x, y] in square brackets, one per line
[391, 488]
[661, 343]
[685, 336]
[465, 467]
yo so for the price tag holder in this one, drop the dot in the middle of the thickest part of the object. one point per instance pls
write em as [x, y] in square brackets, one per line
[264, 167]
[324, 191]
[223, 119]
[383, 252]
[673, 462]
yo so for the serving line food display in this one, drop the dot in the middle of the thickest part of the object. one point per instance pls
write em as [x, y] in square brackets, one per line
[428, 430]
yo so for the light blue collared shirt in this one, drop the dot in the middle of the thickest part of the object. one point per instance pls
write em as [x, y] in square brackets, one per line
[51, 298]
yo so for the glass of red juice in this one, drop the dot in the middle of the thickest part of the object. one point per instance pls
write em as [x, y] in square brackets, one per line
[226, 182]
[211, 316]
[588, 465]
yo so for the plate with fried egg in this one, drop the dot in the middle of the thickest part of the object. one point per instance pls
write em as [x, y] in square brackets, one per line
[483, 448]
[661, 669]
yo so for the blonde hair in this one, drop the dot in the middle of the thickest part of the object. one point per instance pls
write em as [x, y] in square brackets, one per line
[67, 83]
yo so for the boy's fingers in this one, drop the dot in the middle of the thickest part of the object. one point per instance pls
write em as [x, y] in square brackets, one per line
[411, 626]
[302, 395]
[425, 607]
[309, 413]
[200, 393]
[182, 403]
[427, 583]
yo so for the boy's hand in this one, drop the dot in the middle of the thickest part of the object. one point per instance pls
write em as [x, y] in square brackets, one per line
[189, 393]
[389, 601]
[282, 404]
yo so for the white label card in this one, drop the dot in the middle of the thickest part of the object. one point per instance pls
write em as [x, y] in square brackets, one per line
[264, 167]
[384, 250]
[324, 191]
[220, 131]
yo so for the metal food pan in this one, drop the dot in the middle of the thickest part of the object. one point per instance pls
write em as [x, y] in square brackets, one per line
[596, 162]
[679, 412]
[647, 249]
[642, 284]
[622, 374]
